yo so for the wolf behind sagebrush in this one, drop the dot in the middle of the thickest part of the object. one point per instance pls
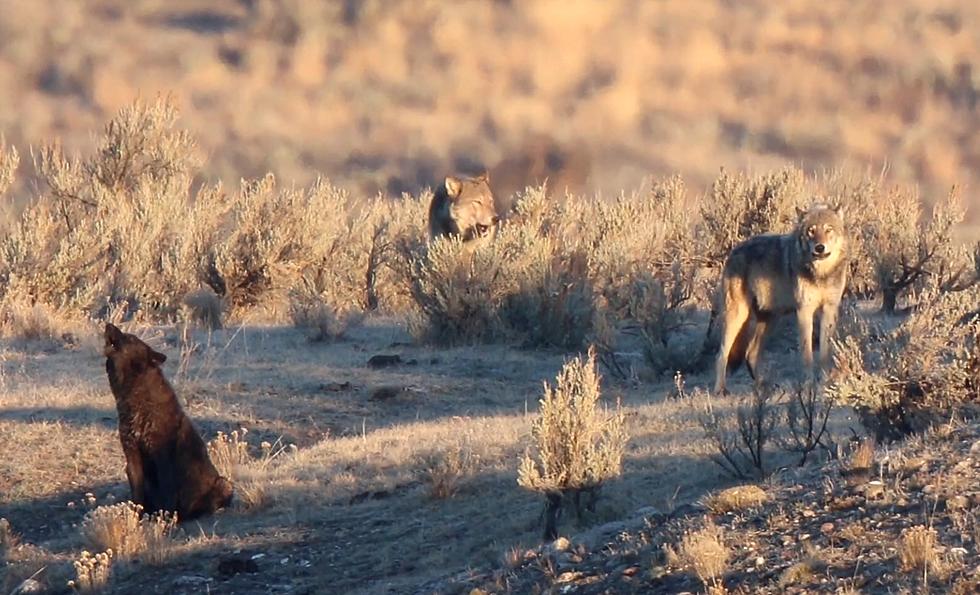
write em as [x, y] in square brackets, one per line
[768, 275]
[167, 462]
[462, 207]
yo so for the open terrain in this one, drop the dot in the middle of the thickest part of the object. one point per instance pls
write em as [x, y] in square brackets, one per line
[351, 508]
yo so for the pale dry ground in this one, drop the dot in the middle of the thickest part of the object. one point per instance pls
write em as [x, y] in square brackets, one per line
[350, 509]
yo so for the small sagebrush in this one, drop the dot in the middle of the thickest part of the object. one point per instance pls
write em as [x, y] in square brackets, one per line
[577, 445]
[916, 374]
[321, 320]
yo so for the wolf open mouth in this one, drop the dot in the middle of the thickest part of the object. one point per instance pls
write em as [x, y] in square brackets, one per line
[819, 255]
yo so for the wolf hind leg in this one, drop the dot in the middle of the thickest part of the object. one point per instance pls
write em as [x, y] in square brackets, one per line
[734, 336]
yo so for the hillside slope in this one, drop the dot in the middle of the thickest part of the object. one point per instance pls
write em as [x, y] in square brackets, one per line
[906, 523]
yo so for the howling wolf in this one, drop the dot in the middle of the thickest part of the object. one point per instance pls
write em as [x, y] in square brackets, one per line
[167, 462]
[767, 275]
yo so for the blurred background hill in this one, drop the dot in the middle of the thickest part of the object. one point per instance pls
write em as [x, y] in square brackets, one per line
[389, 95]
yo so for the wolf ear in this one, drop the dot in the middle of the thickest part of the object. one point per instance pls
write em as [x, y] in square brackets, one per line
[800, 213]
[839, 209]
[157, 358]
[453, 186]
[484, 177]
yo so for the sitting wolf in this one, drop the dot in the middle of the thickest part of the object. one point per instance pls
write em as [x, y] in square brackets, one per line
[462, 207]
[167, 462]
[767, 275]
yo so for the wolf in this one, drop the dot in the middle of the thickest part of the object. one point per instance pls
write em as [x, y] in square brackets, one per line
[463, 207]
[773, 274]
[167, 463]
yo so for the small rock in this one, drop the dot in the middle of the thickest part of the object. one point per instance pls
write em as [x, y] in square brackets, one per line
[630, 571]
[384, 361]
[233, 565]
[335, 387]
[383, 393]
[567, 577]
[191, 580]
[827, 528]
[561, 544]
[874, 490]
[809, 514]
[28, 586]
[975, 449]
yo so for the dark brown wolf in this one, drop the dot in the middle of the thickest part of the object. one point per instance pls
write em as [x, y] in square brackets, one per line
[166, 460]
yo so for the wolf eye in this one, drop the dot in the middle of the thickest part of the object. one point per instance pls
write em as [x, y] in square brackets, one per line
[811, 230]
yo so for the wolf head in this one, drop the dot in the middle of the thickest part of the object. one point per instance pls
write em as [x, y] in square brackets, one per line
[821, 234]
[471, 205]
[126, 355]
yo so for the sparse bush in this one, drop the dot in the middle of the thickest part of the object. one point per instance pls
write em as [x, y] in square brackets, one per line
[92, 572]
[704, 551]
[39, 322]
[903, 249]
[577, 446]
[444, 471]
[9, 160]
[321, 320]
[916, 374]
[807, 415]
[741, 440]
[204, 307]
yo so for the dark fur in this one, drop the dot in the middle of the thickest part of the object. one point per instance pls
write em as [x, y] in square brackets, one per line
[166, 460]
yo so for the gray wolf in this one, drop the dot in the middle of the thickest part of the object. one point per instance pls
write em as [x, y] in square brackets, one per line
[769, 275]
[462, 207]
[167, 462]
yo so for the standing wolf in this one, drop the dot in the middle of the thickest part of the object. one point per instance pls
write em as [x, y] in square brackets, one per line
[462, 207]
[768, 275]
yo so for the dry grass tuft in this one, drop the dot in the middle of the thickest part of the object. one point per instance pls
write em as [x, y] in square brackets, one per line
[116, 527]
[92, 573]
[445, 471]
[918, 550]
[705, 553]
[124, 530]
[229, 452]
[863, 456]
[736, 498]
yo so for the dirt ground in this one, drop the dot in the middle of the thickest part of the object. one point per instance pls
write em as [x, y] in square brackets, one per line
[350, 509]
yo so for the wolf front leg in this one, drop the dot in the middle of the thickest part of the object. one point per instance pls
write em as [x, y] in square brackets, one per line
[134, 473]
[828, 326]
[804, 319]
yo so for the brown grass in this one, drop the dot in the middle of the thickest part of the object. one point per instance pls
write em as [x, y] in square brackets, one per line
[706, 554]
[918, 550]
[736, 499]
